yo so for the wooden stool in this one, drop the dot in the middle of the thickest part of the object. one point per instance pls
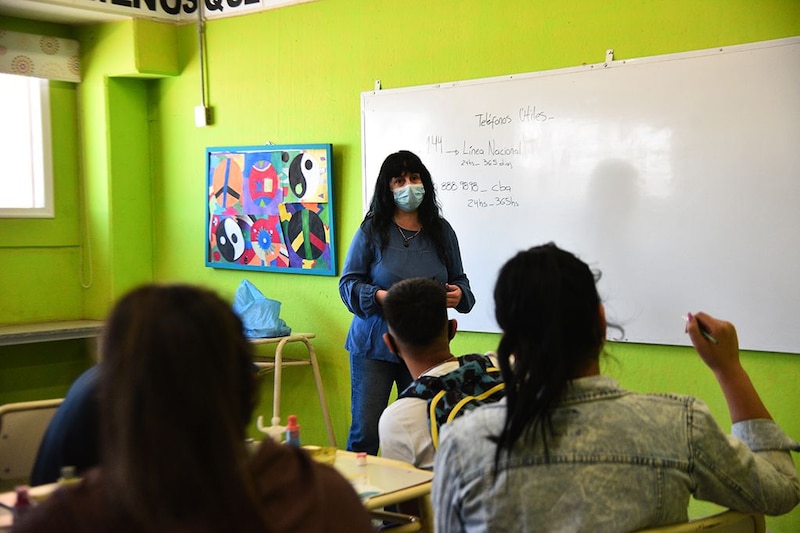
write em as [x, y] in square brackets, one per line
[276, 363]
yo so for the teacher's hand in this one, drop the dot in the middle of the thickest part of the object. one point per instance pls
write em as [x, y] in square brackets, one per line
[453, 294]
[380, 294]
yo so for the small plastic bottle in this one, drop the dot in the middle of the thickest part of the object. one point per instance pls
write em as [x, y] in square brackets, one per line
[68, 476]
[292, 431]
[23, 503]
[361, 478]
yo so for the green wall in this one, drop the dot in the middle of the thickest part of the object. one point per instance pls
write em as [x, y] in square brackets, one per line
[40, 259]
[294, 75]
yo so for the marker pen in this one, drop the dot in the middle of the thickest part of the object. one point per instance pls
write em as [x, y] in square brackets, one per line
[705, 333]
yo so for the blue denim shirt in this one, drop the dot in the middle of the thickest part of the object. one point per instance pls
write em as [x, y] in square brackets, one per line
[367, 268]
[619, 461]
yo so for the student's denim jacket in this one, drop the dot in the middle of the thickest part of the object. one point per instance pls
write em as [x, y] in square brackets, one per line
[619, 461]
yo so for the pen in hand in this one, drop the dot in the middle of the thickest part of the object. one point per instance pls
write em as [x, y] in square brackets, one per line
[705, 333]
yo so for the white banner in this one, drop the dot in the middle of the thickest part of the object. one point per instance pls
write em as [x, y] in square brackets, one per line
[173, 10]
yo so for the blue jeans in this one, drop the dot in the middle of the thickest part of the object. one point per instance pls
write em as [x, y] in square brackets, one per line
[371, 384]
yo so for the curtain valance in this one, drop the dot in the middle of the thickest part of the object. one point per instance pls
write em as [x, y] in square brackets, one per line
[39, 56]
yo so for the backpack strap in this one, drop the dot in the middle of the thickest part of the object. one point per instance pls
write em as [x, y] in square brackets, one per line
[476, 381]
[426, 387]
[498, 389]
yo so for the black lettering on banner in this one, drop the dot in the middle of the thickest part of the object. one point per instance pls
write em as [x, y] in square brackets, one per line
[151, 4]
[173, 7]
[172, 10]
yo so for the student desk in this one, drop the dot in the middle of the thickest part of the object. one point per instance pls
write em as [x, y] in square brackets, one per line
[381, 482]
[277, 362]
[39, 493]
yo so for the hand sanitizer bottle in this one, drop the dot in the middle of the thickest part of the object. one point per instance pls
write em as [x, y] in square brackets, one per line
[292, 431]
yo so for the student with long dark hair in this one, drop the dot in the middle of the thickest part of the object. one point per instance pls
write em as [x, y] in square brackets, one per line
[569, 450]
[403, 236]
[176, 390]
[72, 436]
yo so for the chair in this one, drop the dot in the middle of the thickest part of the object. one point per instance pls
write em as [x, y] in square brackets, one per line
[392, 522]
[22, 426]
[725, 522]
[405, 519]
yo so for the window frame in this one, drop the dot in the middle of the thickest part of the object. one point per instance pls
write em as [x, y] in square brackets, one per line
[41, 150]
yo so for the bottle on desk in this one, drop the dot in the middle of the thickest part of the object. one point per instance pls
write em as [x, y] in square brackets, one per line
[68, 476]
[292, 432]
[23, 503]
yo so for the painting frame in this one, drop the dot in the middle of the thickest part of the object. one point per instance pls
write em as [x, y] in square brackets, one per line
[269, 208]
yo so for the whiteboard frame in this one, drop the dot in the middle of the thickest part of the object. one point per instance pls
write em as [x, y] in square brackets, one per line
[368, 178]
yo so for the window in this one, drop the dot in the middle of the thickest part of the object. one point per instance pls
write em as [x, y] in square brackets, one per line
[26, 181]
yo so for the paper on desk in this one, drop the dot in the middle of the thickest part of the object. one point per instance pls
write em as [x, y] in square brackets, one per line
[365, 491]
[6, 519]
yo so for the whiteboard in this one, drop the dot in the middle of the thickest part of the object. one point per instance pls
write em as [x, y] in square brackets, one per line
[676, 176]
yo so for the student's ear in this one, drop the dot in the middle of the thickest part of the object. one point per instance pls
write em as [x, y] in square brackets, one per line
[603, 324]
[389, 341]
[452, 327]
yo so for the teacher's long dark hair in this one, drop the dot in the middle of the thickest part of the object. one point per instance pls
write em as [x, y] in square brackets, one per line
[547, 305]
[177, 389]
[381, 208]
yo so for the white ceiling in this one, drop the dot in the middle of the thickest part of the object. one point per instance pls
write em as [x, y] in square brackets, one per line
[32, 10]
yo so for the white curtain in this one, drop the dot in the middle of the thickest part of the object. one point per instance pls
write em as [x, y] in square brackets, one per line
[39, 56]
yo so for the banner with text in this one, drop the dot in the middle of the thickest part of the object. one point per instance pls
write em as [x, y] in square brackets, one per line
[173, 10]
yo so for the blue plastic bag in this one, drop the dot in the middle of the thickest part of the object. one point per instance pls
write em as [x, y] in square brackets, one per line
[260, 315]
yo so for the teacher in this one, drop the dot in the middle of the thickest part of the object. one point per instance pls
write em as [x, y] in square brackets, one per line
[402, 236]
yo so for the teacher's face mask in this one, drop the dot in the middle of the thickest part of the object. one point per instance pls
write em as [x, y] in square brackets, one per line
[408, 197]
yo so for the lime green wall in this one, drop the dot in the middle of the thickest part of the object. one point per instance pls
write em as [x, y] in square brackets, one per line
[100, 242]
[295, 75]
[40, 259]
[37, 254]
[118, 69]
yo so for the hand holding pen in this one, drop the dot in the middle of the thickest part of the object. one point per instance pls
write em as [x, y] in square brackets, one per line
[715, 341]
[718, 346]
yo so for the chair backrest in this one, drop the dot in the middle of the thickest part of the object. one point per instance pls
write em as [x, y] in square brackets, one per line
[22, 426]
[725, 522]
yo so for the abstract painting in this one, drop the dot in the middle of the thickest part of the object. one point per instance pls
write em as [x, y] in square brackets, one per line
[270, 208]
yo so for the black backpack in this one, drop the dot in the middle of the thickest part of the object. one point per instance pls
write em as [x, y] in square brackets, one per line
[475, 382]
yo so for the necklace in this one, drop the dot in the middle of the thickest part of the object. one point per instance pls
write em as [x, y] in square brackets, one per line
[406, 240]
[451, 358]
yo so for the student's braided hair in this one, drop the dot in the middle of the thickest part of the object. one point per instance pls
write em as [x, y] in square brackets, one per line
[548, 307]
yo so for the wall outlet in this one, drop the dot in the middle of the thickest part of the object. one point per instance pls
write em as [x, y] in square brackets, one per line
[202, 116]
